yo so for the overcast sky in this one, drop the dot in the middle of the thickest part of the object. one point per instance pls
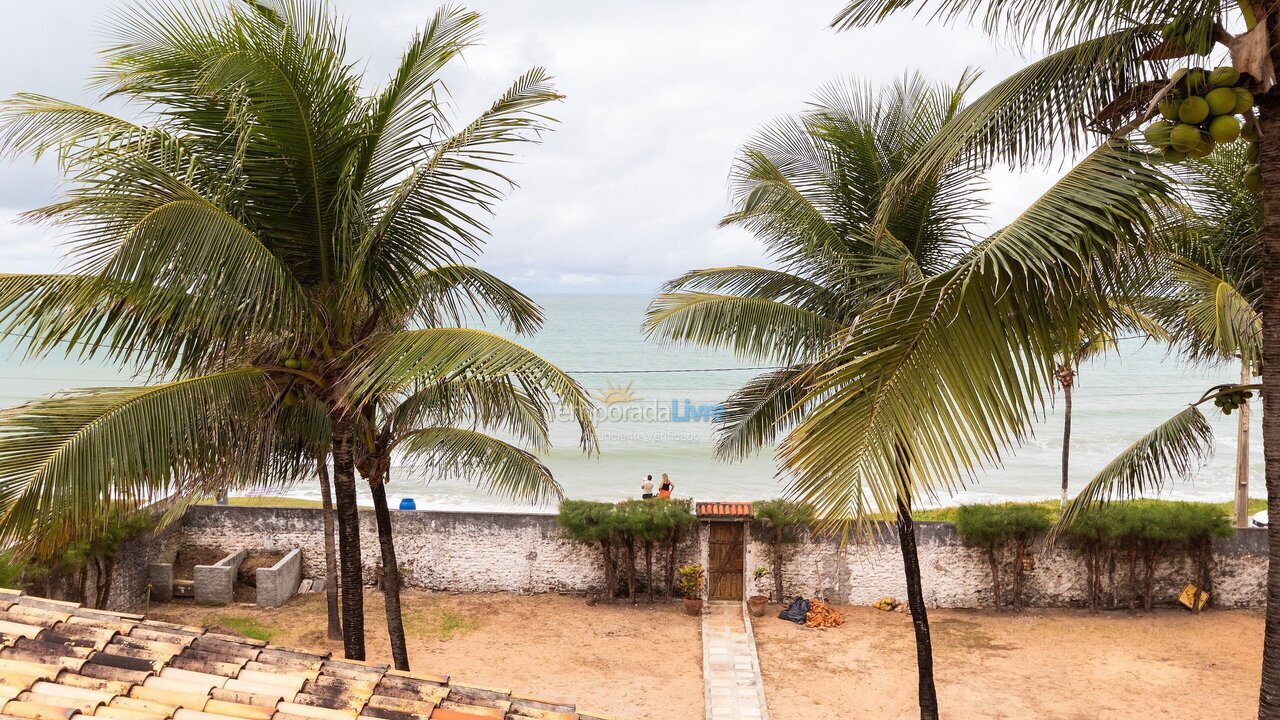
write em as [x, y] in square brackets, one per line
[627, 191]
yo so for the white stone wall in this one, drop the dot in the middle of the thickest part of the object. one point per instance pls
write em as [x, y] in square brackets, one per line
[957, 576]
[525, 553]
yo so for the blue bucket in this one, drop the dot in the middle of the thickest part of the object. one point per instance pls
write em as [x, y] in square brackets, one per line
[408, 504]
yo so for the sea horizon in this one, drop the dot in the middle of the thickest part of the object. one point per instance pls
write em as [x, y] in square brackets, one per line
[656, 410]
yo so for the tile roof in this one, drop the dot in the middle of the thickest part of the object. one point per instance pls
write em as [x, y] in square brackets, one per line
[59, 660]
[724, 510]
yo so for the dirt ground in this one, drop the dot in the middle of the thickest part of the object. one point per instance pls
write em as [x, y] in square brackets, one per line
[1061, 664]
[642, 663]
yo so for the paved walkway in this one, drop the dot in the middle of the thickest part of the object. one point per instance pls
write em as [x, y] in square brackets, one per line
[730, 668]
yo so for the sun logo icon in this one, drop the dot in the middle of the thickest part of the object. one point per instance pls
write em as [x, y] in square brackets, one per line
[615, 394]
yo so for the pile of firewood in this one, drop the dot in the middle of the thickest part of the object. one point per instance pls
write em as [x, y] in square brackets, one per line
[822, 615]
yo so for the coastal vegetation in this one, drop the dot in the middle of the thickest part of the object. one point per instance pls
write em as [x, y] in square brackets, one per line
[285, 256]
[630, 526]
[998, 528]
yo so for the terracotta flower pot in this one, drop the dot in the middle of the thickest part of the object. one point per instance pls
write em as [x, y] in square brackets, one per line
[756, 605]
[693, 606]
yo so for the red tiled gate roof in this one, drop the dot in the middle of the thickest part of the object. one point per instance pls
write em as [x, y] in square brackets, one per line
[734, 510]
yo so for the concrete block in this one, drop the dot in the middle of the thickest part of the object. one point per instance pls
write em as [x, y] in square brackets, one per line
[215, 584]
[280, 582]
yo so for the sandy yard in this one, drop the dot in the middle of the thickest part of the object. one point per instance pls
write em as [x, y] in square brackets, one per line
[1064, 664]
[643, 662]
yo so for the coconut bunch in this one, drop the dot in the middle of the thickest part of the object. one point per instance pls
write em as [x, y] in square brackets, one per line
[1201, 110]
[1226, 402]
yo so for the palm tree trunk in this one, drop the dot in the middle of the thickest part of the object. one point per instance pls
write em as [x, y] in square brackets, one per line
[390, 569]
[1066, 376]
[648, 566]
[330, 550]
[672, 541]
[919, 615]
[348, 512]
[1242, 454]
[606, 547]
[1269, 146]
[631, 567]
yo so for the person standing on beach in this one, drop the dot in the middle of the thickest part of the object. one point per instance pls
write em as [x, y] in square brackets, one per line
[646, 487]
[666, 488]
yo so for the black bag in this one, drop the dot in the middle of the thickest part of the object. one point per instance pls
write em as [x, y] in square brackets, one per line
[796, 611]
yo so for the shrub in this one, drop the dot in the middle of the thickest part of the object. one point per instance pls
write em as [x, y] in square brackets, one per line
[692, 579]
[1143, 532]
[594, 523]
[998, 527]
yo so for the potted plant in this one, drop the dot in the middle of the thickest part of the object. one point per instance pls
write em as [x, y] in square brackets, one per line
[756, 603]
[691, 582]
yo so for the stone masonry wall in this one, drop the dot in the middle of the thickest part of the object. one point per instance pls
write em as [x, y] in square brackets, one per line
[958, 576]
[525, 553]
[455, 551]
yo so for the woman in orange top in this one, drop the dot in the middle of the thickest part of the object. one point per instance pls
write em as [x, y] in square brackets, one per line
[666, 488]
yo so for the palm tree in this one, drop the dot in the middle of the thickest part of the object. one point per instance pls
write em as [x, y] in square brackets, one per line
[1106, 64]
[783, 517]
[256, 244]
[888, 312]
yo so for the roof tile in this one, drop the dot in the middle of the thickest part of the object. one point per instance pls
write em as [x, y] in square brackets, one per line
[59, 659]
[724, 509]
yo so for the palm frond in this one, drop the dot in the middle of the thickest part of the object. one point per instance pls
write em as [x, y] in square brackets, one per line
[493, 405]
[71, 460]
[406, 112]
[1052, 105]
[496, 467]
[395, 362]
[1054, 22]
[451, 293]
[766, 407]
[753, 327]
[431, 217]
[1175, 448]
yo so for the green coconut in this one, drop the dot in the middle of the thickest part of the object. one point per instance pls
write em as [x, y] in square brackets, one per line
[1253, 179]
[1222, 101]
[304, 364]
[1251, 152]
[1194, 110]
[1157, 133]
[1193, 81]
[1224, 77]
[1204, 149]
[1169, 108]
[1249, 132]
[293, 364]
[1173, 156]
[1244, 101]
[1224, 128]
[1184, 137]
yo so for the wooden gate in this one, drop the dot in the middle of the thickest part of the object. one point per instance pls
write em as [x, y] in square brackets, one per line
[724, 576]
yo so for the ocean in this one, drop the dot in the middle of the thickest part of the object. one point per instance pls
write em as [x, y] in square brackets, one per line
[660, 417]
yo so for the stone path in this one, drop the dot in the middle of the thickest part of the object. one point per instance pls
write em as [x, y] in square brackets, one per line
[730, 668]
